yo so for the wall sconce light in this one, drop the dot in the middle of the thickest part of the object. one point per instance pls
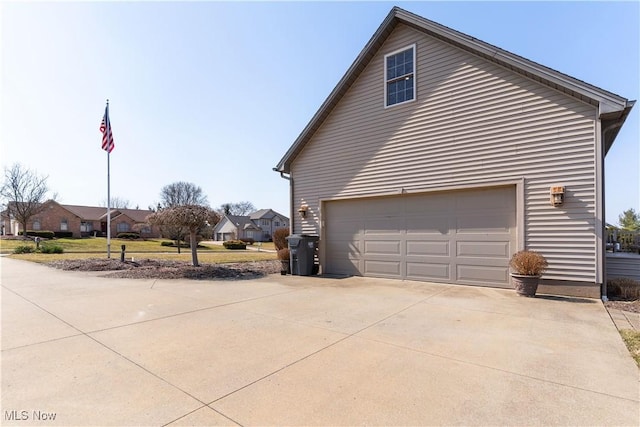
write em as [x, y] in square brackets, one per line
[557, 195]
[303, 211]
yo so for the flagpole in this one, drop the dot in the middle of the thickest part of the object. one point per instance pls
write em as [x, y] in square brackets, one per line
[107, 145]
[108, 204]
[108, 195]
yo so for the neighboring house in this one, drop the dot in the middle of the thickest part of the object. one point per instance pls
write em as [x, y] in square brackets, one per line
[84, 221]
[258, 226]
[434, 158]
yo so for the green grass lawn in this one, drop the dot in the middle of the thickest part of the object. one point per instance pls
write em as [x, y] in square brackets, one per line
[206, 257]
[632, 339]
[99, 245]
[96, 247]
[265, 245]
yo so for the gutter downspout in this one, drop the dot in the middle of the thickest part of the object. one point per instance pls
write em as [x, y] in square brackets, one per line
[290, 179]
[611, 127]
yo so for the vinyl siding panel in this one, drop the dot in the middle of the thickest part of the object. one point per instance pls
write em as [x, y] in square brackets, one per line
[623, 265]
[472, 122]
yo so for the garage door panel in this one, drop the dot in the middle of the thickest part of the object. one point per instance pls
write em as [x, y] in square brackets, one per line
[477, 274]
[344, 226]
[381, 208]
[382, 247]
[428, 247]
[440, 225]
[343, 265]
[383, 226]
[435, 204]
[382, 268]
[428, 271]
[483, 249]
[483, 224]
[343, 246]
[490, 199]
[453, 237]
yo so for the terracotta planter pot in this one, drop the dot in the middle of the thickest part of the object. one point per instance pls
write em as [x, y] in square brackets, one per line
[525, 286]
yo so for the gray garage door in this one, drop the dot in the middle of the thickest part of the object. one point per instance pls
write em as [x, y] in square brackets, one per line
[463, 237]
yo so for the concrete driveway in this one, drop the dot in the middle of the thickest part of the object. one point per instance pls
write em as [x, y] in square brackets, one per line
[78, 349]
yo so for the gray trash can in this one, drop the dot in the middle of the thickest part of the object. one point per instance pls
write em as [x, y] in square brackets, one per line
[302, 249]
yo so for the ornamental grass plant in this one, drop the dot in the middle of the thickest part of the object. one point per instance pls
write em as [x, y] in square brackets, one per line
[284, 254]
[528, 263]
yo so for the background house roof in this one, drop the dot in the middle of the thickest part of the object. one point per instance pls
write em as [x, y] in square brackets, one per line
[241, 221]
[266, 214]
[137, 215]
[86, 212]
[94, 213]
[614, 109]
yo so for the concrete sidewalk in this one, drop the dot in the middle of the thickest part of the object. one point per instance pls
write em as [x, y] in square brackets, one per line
[84, 350]
[625, 319]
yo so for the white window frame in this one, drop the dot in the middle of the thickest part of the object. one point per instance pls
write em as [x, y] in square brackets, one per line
[415, 75]
[37, 225]
[64, 225]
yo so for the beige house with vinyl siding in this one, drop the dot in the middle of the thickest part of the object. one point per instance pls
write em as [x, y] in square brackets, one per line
[434, 157]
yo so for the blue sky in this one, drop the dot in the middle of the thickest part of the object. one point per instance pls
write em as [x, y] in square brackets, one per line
[214, 93]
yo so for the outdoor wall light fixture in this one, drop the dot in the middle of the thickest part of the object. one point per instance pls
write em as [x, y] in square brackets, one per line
[303, 211]
[557, 195]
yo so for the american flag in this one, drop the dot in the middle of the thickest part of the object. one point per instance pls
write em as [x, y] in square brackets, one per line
[107, 135]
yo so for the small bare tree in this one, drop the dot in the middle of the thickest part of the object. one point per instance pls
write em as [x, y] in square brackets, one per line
[192, 217]
[24, 193]
[181, 194]
[239, 208]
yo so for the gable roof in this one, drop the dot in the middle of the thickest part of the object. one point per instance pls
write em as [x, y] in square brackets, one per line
[613, 109]
[86, 212]
[241, 222]
[136, 215]
[265, 213]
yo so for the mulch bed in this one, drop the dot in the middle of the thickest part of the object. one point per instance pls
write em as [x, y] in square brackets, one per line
[161, 269]
[632, 306]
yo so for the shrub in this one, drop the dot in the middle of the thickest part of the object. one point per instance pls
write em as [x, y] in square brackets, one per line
[234, 244]
[128, 235]
[63, 234]
[280, 238]
[51, 249]
[284, 254]
[173, 244]
[248, 240]
[24, 249]
[623, 288]
[528, 263]
[39, 233]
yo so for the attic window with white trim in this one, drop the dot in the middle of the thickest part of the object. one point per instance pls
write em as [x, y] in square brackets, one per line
[399, 71]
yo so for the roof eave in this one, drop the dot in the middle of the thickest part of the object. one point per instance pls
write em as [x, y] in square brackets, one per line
[611, 124]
